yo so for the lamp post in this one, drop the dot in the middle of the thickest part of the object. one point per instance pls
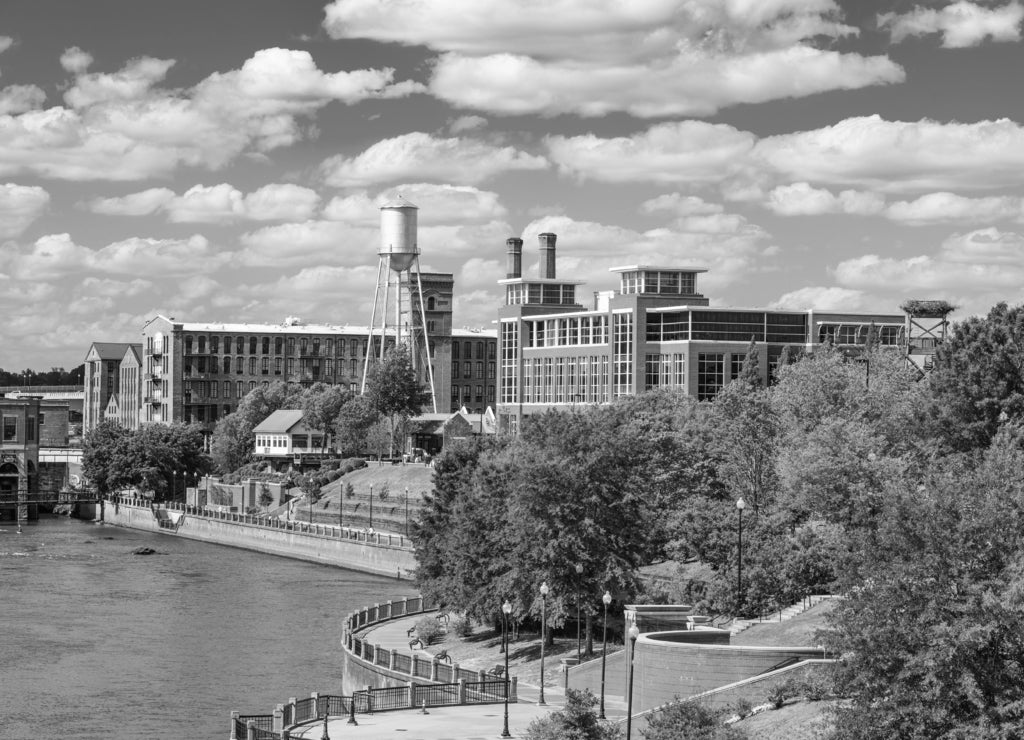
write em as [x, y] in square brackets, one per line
[634, 632]
[579, 572]
[607, 599]
[740, 506]
[174, 485]
[324, 735]
[506, 609]
[543, 625]
[407, 511]
[371, 506]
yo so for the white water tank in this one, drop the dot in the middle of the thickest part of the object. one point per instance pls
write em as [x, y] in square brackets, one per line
[398, 233]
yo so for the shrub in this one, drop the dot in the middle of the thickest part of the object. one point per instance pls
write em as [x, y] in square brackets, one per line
[688, 719]
[778, 694]
[462, 625]
[427, 629]
[333, 475]
[577, 720]
[742, 707]
[350, 490]
[385, 491]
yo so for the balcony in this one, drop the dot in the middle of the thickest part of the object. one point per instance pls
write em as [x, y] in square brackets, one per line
[154, 399]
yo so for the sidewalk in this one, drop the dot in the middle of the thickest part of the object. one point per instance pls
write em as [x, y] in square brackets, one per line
[471, 722]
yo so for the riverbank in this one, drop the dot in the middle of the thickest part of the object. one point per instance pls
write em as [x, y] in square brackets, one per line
[368, 552]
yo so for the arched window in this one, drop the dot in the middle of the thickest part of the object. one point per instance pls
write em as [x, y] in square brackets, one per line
[431, 302]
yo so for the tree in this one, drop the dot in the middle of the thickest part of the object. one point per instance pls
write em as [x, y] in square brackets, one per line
[102, 449]
[233, 438]
[321, 405]
[746, 432]
[751, 371]
[148, 459]
[393, 389]
[356, 418]
[932, 630]
[577, 721]
[978, 377]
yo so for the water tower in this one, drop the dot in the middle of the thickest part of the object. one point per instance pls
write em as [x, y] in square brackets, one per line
[397, 299]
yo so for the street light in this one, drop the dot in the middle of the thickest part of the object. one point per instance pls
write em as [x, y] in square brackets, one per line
[634, 632]
[579, 572]
[607, 599]
[407, 511]
[371, 506]
[543, 624]
[740, 506]
[506, 609]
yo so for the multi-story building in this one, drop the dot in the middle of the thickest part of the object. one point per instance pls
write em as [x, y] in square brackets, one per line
[103, 379]
[656, 330]
[198, 372]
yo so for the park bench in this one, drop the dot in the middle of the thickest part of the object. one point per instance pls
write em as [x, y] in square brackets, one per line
[408, 632]
[442, 619]
[443, 655]
[413, 643]
[498, 671]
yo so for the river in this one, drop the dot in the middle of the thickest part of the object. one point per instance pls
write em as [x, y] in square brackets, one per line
[103, 644]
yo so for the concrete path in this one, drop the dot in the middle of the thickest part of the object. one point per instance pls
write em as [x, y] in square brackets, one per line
[473, 722]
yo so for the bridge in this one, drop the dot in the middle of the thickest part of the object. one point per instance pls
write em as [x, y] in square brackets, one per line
[23, 505]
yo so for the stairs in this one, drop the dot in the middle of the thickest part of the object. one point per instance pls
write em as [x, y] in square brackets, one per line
[738, 625]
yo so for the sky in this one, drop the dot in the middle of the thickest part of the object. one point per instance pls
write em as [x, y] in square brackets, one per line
[225, 161]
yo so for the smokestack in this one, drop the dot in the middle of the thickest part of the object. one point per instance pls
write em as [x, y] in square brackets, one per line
[514, 258]
[547, 256]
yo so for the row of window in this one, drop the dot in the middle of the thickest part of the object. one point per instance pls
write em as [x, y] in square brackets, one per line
[566, 332]
[566, 380]
[658, 282]
[308, 346]
[280, 441]
[467, 370]
[465, 395]
[469, 347]
[309, 367]
[726, 326]
[888, 335]
[558, 294]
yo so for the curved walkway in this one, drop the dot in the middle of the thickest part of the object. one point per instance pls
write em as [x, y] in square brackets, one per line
[449, 723]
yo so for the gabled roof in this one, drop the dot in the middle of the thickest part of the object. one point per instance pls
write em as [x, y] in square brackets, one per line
[108, 350]
[135, 352]
[279, 422]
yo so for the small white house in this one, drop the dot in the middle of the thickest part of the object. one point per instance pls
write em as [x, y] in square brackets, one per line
[284, 436]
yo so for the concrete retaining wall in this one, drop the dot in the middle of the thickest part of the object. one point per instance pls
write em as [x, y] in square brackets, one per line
[664, 669]
[368, 557]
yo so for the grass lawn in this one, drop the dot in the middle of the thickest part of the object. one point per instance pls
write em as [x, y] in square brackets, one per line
[796, 720]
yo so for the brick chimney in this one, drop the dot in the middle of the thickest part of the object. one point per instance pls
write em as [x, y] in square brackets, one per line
[547, 256]
[514, 258]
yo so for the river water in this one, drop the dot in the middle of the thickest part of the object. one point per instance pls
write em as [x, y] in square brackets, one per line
[101, 644]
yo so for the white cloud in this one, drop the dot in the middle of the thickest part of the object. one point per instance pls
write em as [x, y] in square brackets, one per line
[681, 205]
[16, 99]
[467, 123]
[945, 206]
[56, 256]
[215, 204]
[800, 199]
[684, 151]
[318, 242]
[20, 206]
[961, 23]
[5, 43]
[134, 204]
[438, 204]
[824, 299]
[895, 156]
[125, 126]
[75, 60]
[980, 263]
[420, 155]
[648, 57]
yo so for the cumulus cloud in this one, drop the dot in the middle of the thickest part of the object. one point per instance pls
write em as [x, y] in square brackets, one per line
[824, 299]
[946, 206]
[5, 43]
[800, 199]
[682, 205]
[420, 155]
[221, 203]
[590, 57]
[466, 123]
[961, 24]
[56, 256]
[313, 241]
[895, 156]
[438, 204]
[125, 126]
[16, 99]
[976, 268]
[20, 206]
[684, 151]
